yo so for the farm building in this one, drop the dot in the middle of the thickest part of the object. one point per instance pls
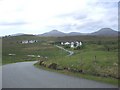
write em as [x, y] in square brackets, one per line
[74, 44]
[28, 41]
[66, 43]
[24, 42]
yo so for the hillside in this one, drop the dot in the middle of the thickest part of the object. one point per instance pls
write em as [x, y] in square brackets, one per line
[54, 33]
[101, 50]
[101, 32]
[105, 32]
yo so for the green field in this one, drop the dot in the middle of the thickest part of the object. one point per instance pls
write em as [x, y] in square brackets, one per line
[97, 58]
[12, 45]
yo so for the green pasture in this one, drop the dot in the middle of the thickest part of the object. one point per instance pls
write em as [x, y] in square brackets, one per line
[98, 57]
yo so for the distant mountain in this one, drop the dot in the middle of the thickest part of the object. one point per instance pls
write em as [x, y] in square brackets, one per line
[21, 34]
[17, 34]
[74, 34]
[101, 32]
[105, 32]
[54, 33]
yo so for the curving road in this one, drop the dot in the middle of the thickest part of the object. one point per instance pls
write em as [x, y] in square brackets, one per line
[70, 52]
[25, 75]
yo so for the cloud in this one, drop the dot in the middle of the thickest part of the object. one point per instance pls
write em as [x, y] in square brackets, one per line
[39, 16]
[94, 17]
[12, 23]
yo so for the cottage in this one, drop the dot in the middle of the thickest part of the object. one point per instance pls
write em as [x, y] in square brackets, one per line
[62, 43]
[80, 43]
[28, 41]
[67, 43]
[77, 44]
[32, 41]
[25, 42]
[72, 45]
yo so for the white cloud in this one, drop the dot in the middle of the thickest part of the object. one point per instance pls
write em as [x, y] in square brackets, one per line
[39, 16]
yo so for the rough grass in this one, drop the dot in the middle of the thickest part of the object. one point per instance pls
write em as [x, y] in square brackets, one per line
[94, 58]
[79, 75]
[12, 45]
[102, 65]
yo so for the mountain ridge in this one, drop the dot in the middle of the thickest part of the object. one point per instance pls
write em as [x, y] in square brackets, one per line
[57, 33]
[105, 32]
[101, 32]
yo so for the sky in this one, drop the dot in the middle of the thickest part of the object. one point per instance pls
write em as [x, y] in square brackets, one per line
[40, 16]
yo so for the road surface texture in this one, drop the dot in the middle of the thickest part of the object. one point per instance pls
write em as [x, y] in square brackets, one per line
[0, 77]
[25, 75]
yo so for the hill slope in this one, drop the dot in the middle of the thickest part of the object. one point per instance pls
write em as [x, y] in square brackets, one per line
[54, 33]
[105, 32]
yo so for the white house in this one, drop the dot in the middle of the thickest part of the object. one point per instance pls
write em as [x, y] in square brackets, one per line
[25, 42]
[28, 41]
[72, 45]
[67, 43]
[62, 43]
[80, 43]
[77, 44]
[32, 41]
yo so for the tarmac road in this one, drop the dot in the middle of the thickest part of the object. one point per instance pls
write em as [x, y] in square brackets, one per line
[25, 75]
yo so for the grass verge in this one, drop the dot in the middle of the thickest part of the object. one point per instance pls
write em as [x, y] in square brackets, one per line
[86, 76]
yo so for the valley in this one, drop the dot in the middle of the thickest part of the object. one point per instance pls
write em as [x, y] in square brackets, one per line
[97, 59]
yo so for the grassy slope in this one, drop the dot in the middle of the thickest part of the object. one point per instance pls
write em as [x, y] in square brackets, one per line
[79, 75]
[12, 45]
[82, 59]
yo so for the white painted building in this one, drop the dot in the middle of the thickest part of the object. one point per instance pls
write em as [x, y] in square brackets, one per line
[77, 44]
[62, 43]
[25, 42]
[32, 41]
[67, 43]
[72, 45]
[28, 41]
[80, 43]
